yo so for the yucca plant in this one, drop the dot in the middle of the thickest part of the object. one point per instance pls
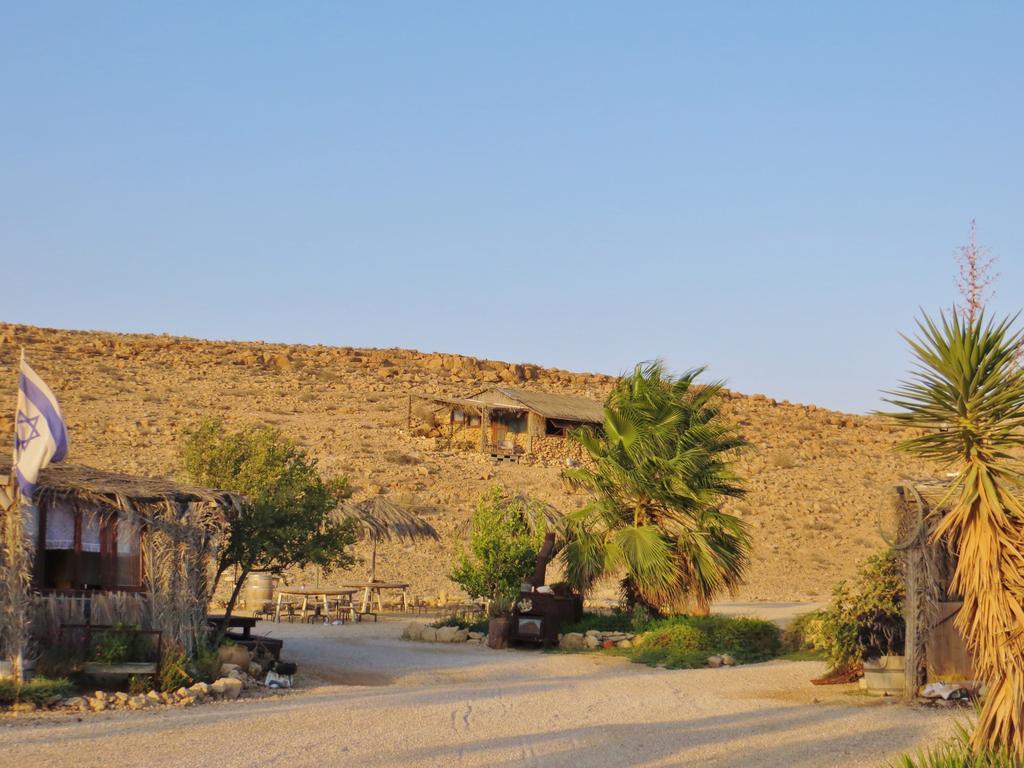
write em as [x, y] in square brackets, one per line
[956, 752]
[660, 473]
[966, 396]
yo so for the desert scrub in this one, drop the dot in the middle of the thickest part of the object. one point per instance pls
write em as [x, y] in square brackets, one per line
[474, 625]
[685, 642]
[956, 752]
[616, 621]
[40, 691]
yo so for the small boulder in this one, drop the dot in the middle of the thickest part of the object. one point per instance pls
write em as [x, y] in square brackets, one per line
[227, 669]
[199, 690]
[76, 702]
[97, 705]
[728, 660]
[232, 687]
[714, 661]
[446, 634]
[23, 707]
[414, 631]
[154, 697]
[572, 641]
[429, 634]
[591, 641]
[624, 644]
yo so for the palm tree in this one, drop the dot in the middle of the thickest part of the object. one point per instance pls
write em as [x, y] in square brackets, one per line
[966, 395]
[660, 473]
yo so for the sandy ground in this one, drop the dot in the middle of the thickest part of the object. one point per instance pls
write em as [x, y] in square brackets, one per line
[374, 701]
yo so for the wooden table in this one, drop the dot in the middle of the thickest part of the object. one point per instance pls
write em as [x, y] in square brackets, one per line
[245, 623]
[373, 589]
[307, 592]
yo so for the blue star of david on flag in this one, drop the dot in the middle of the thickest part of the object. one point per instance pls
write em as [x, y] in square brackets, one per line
[25, 431]
[40, 436]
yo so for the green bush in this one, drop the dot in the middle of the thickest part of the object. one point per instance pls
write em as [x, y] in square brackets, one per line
[506, 531]
[616, 621]
[39, 690]
[173, 669]
[865, 618]
[684, 642]
[805, 633]
[474, 625]
[956, 752]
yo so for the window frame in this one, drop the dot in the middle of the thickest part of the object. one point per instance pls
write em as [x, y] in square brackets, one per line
[108, 519]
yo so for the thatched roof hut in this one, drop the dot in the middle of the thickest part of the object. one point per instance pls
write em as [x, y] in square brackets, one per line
[503, 412]
[151, 542]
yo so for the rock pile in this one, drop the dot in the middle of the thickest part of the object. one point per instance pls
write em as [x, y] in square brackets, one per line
[596, 638]
[428, 634]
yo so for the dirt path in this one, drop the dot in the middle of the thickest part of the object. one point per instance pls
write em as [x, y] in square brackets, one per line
[420, 704]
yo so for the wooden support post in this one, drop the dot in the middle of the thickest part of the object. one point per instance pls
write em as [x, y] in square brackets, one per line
[485, 427]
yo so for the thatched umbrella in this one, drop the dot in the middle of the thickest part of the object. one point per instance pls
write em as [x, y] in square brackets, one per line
[382, 519]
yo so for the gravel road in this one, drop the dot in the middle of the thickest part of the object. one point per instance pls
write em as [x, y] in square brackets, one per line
[374, 701]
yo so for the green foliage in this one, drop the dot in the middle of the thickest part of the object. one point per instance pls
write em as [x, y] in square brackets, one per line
[956, 752]
[205, 664]
[173, 672]
[506, 532]
[120, 644]
[470, 625]
[616, 621]
[805, 633]
[39, 690]
[685, 642]
[661, 473]
[865, 618]
[141, 684]
[286, 519]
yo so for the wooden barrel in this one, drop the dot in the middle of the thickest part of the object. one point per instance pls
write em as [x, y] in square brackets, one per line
[259, 589]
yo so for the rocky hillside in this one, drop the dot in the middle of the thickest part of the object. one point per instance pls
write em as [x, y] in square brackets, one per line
[816, 477]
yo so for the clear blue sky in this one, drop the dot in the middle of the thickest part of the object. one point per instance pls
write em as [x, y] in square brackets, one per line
[771, 189]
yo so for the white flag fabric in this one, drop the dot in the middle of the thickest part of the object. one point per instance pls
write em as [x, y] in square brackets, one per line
[40, 436]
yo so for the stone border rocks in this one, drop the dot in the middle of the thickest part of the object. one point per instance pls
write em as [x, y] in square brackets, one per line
[426, 633]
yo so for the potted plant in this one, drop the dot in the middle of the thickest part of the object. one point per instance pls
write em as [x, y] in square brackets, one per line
[500, 623]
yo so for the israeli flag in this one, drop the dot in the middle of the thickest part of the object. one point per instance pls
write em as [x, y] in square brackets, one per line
[40, 436]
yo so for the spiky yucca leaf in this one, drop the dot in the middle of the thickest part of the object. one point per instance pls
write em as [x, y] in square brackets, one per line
[966, 394]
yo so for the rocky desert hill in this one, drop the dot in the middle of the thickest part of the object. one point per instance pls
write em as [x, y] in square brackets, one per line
[816, 478]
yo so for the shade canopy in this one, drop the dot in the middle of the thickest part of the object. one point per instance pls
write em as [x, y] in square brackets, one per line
[382, 519]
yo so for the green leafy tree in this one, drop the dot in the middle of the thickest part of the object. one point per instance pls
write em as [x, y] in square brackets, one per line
[505, 533]
[965, 399]
[660, 474]
[286, 518]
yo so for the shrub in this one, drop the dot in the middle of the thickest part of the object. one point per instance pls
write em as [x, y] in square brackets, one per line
[39, 690]
[956, 752]
[865, 618]
[173, 669]
[205, 666]
[687, 641]
[805, 633]
[506, 531]
[616, 621]
[474, 625]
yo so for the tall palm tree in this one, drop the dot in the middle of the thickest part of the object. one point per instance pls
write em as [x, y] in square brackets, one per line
[966, 395]
[660, 473]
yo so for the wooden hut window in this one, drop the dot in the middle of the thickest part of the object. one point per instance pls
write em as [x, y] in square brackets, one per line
[86, 550]
[129, 553]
